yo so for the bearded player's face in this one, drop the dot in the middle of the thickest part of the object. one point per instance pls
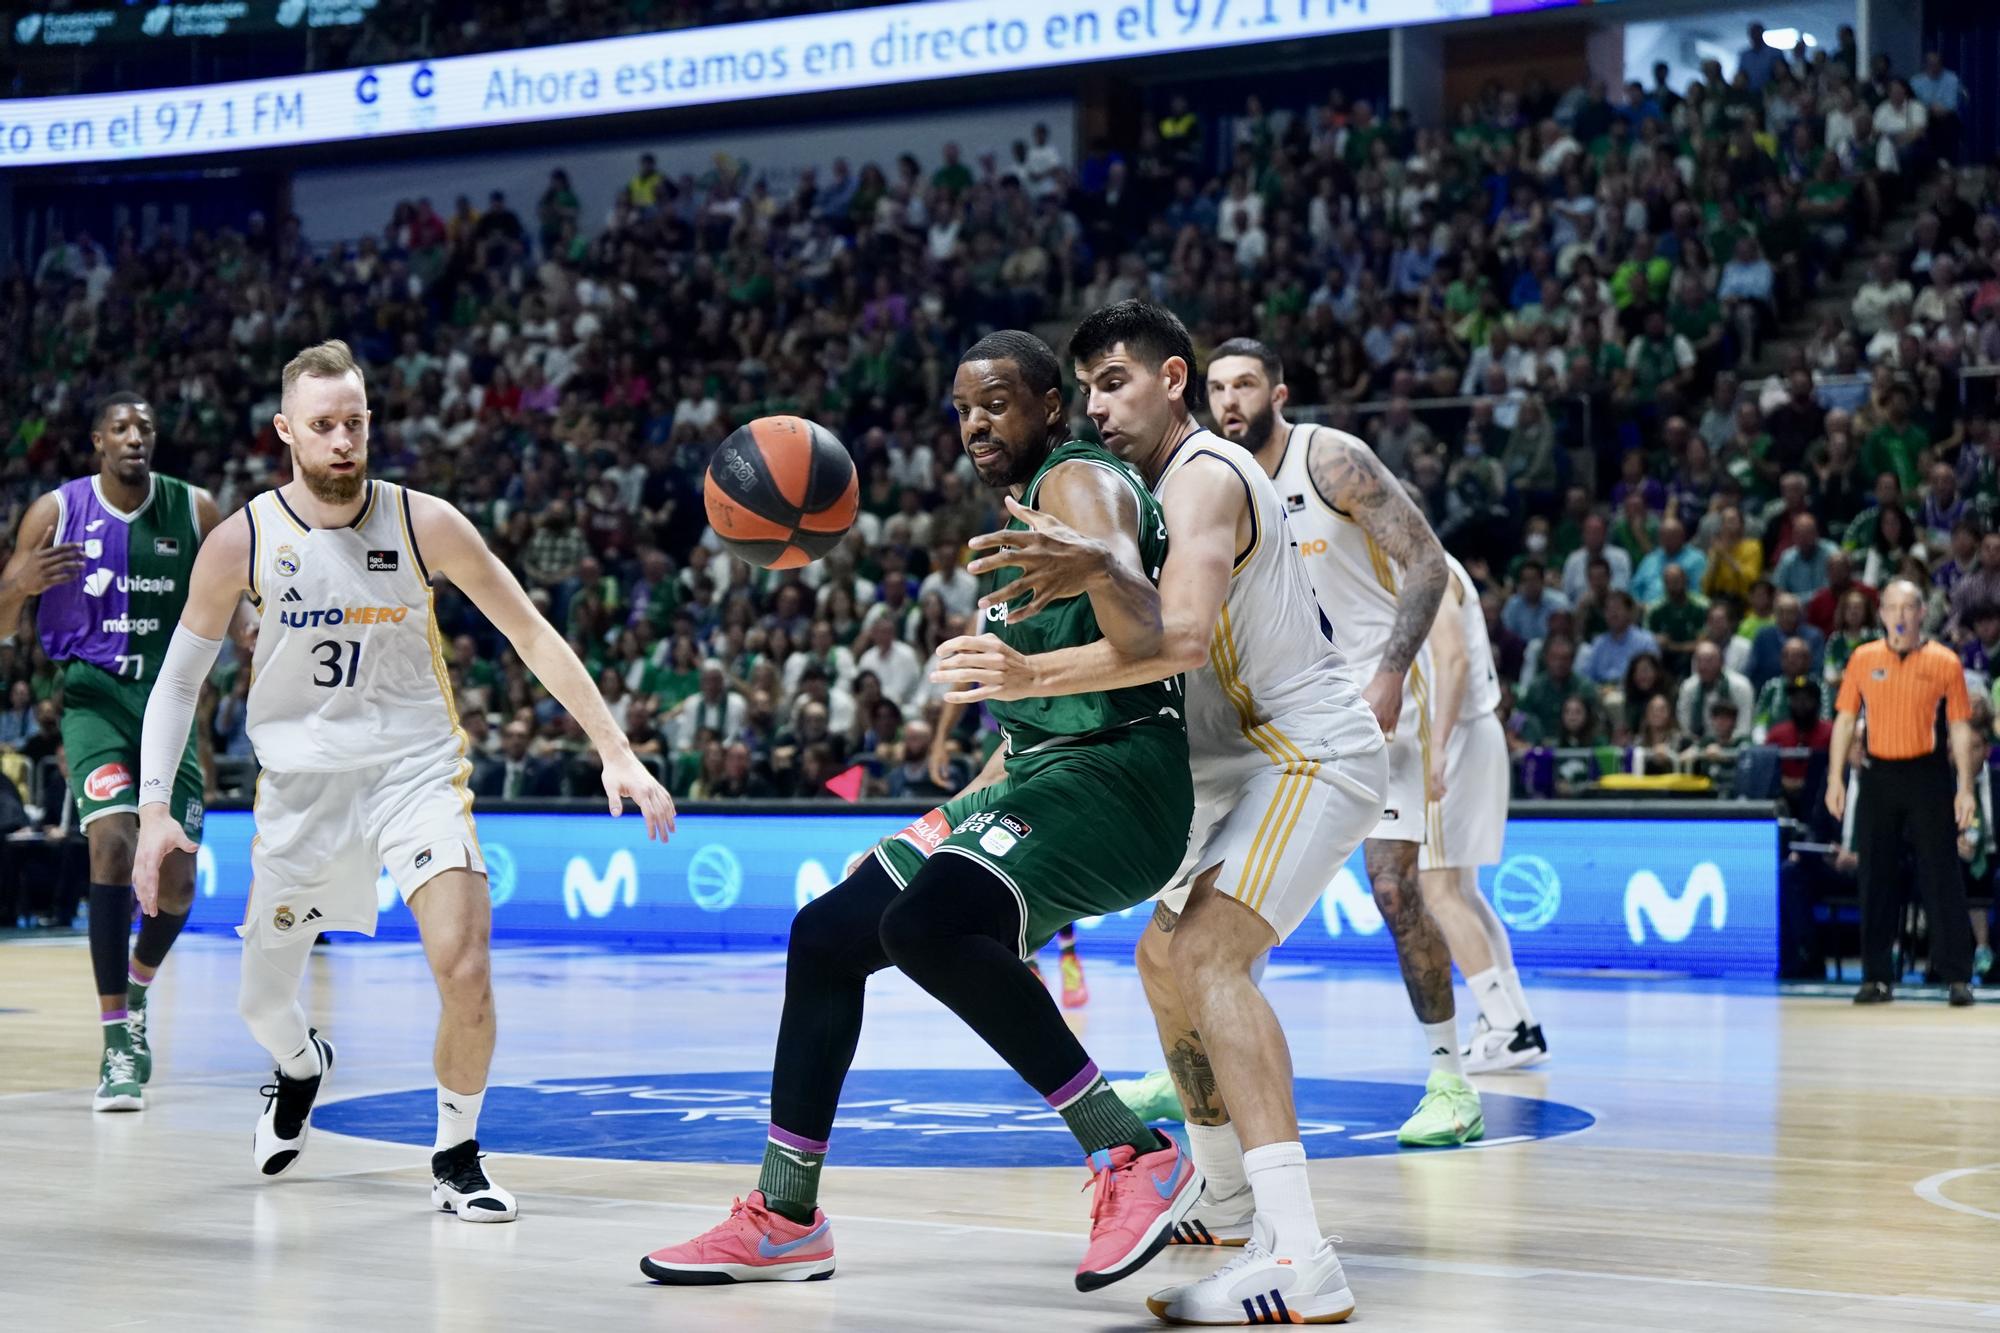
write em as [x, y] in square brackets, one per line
[325, 420]
[1003, 425]
[1242, 399]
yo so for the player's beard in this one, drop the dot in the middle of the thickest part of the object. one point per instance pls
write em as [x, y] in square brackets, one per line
[1258, 431]
[335, 488]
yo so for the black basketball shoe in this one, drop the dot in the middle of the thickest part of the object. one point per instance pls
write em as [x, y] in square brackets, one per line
[463, 1188]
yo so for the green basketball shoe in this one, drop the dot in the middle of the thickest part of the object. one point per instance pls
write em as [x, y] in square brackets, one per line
[1151, 1097]
[1448, 1115]
[118, 1087]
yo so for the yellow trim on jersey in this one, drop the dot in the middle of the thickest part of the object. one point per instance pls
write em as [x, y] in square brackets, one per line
[1261, 866]
[256, 548]
[1281, 817]
[1420, 694]
[374, 489]
[1228, 675]
[1385, 572]
[285, 509]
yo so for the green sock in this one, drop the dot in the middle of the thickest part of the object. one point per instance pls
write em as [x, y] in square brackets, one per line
[1100, 1120]
[135, 993]
[790, 1181]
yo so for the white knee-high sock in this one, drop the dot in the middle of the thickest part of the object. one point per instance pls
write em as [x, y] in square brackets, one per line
[1510, 981]
[269, 1002]
[1285, 1218]
[458, 1116]
[1219, 1154]
[1442, 1039]
[1494, 1001]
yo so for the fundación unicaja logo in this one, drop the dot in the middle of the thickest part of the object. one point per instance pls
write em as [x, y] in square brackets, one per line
[1527, 892]
[156, 20]
[290, 12]
[26, 29]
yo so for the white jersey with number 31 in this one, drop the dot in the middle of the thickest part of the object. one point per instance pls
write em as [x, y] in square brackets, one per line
[349, 671]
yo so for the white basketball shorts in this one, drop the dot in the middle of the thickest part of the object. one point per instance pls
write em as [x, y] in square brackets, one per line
[324, 838]
[1280, 834]
[1469, 827]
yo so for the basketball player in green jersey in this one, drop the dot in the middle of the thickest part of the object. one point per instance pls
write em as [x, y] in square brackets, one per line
[1084, 811]
[109, 555]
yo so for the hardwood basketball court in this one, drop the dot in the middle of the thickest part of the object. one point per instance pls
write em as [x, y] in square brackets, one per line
[1705, 1155]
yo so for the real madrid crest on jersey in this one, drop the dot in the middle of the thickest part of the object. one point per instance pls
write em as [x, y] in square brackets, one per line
[286, 561]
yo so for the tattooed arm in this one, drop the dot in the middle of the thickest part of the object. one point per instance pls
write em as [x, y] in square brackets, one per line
[1349, 476]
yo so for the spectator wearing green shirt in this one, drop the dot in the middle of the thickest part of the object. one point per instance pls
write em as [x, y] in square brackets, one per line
[1642, 279]
[1748, 455]
[953, 175]
[1696, 316]
[1897, 445]
[1555, 683]
[1677, 620]
[1661, 362]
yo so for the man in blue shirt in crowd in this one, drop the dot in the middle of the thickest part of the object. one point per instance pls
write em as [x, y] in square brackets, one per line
[1612, 651]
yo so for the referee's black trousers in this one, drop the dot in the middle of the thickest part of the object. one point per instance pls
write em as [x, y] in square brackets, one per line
[1906, 803]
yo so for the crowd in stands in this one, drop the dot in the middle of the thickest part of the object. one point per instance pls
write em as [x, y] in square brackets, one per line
[1677, 556]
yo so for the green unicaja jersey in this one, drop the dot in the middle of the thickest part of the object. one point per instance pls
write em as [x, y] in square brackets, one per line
[119, 615]
[1033, 725]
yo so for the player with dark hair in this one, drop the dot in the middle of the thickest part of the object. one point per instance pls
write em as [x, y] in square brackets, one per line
[1083, 811]
[1381, 575]
[1289, 774]
[110, 555]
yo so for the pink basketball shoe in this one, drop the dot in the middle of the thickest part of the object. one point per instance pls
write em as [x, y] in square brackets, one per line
[1140, 1196]
[753, 1245]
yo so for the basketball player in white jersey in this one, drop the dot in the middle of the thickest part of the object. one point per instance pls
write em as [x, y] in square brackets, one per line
[1288, 769]
[1471, 780]
[353, 722]
[1380, 574]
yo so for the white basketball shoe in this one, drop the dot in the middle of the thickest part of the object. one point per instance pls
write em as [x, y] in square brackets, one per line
[1492, 1051]
[1257, 1287]
[288, 1104]
[461, 1186]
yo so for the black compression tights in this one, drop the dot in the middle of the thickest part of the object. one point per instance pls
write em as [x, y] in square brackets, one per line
[956, 932]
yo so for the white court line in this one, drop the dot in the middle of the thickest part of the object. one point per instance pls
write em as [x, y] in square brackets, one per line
[1931, 1190]
[1373, 1134]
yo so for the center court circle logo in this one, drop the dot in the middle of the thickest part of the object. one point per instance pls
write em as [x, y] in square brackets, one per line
[887, 1117]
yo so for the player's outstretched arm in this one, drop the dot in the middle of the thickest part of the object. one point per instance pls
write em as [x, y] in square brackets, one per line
[1450, 663]
[38, 563]
[1083, 541]
[220, 578]
[1204, 506]
[453, 548]
[1349, 476]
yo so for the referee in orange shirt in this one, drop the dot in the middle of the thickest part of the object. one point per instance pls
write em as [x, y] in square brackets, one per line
[1906, 791]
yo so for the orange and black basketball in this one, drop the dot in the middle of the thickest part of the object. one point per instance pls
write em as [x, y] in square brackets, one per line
[781, 492]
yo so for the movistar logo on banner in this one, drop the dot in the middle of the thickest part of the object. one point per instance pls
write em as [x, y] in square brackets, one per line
[1673, 918]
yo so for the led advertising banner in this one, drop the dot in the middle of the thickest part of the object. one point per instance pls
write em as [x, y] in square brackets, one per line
[1695, 896]
[816, 53]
